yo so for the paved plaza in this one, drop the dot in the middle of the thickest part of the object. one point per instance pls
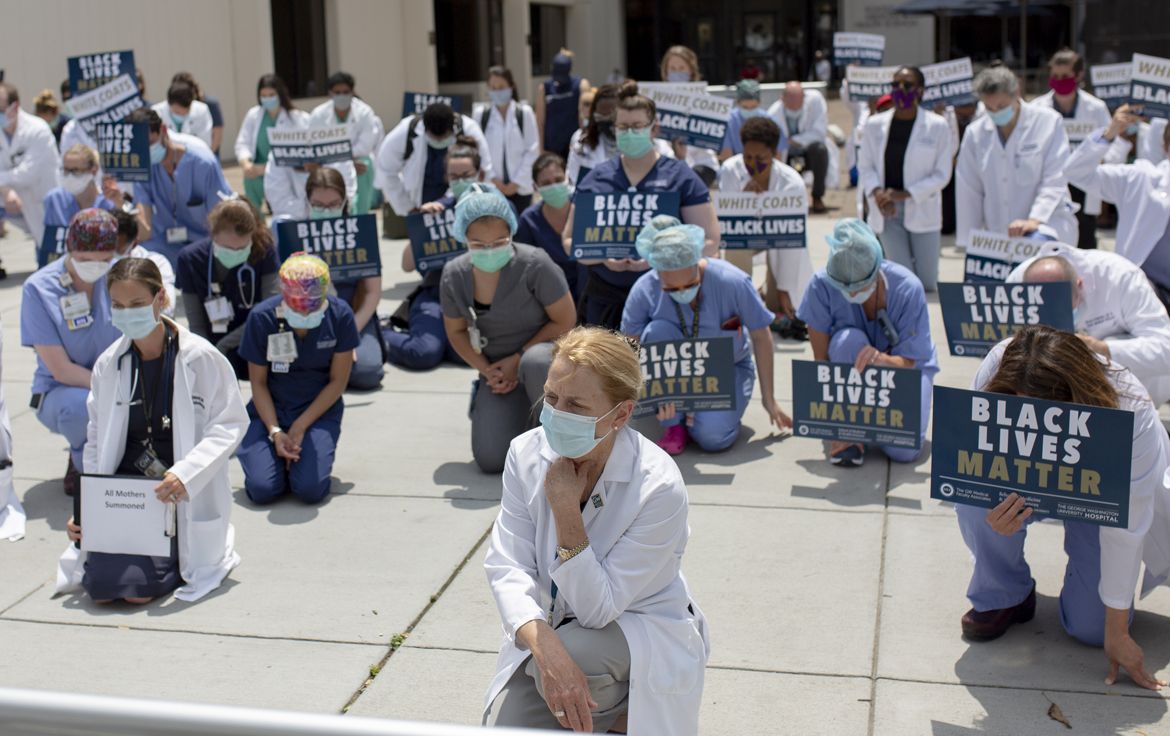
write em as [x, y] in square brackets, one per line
[834, 595]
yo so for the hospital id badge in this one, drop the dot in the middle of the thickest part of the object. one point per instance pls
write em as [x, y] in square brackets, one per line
[282, 348]
[149, 465]
[220, 312]
[176, 235]
[75, 309]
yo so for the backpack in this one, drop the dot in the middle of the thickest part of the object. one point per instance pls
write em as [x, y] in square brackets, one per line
[413, 128]
[487, 114]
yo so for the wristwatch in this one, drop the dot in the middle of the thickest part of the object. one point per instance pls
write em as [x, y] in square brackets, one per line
[273, 431]
[566, 554]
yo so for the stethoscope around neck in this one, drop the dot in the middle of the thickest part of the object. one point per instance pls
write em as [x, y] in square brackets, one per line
[169, 350]
[240, 272]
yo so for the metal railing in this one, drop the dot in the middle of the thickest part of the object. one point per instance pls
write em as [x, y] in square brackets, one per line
[45, 713]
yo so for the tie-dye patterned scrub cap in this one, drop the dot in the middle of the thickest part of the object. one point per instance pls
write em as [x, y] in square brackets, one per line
[92, 231]
[304, 282]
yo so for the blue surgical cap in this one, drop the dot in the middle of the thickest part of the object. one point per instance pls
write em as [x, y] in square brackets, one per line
[481, 200]
[854, 255]
[669, 245]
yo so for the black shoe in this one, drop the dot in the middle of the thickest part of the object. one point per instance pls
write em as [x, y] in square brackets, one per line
[988, 625]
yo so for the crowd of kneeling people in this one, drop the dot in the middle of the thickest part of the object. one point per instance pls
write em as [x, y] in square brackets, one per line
[584, 597]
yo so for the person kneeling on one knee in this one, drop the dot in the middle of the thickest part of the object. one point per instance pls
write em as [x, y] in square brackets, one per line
[1096, 602]
[586, 615]
[687, 296]
[867, 311]
[300, 349]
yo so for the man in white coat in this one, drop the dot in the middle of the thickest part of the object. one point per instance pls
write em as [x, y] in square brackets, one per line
[1115, 310]
[28, 162]
[183, 113]
[803, 118]
[344, 107]
[1010, 175]
[411, 159]
[1082, 113]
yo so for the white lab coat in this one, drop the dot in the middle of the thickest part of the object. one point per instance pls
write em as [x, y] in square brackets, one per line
[791, 267]
[1119, 306]
[813, 124]
[522, 148]
[581, 155]
[996, 183]
[29, 165]
[72, 134]
[364, 125]
[926, 168]
[1149, 144]
[630, 573]
[209, 421]
[245, 147]
[284, 186]
[198, 122]
[1141, 192]
[1089, 109]
[401, 179]
[1147, 538]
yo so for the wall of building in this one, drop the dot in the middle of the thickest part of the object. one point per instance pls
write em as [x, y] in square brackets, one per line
[909, 38]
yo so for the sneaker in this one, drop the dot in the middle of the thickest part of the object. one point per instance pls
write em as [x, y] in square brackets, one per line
[72, 479]
[674, 439]
[851, 457]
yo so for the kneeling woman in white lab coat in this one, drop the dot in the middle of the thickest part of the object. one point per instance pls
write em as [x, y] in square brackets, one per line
[164, 404]
[585, 561]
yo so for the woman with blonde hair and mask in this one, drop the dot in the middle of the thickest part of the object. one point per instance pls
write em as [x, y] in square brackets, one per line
[80, 189]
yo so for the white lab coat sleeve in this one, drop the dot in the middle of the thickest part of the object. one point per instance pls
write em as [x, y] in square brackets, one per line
[1053, 189]
[523, 177]
[280, 190]
[953, 124]
[598, 591]
[818, 121]
[573, 166]
[1121, 549]
[227, 419]
[968, 191]
[246, 138]
[1086, 171]
[201, 121]
[510, 563]
[869, 163]
[390, 163]
[1145, 350]
[940, 173]
[369, 132]
[1117, 154]
[89, 456]
[471, 128]
[40, 156]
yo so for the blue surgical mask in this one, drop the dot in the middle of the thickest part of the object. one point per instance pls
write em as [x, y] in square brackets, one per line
[3, 120]
[269, 102]
[179, 119]
[299, 321]
[678, 76]
[556, 195]
[635, 143]
[325, 213]
[342, 102]
[500, 97]
[755, 112]
[686, 296]
[460, 186]
[571, 435]
[157, 153]
[134, 322]
[490, 260]
[1002, 117]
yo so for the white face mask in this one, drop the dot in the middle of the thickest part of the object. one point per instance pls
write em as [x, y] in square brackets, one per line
[91, 271]
[861, 296]
[75, 184]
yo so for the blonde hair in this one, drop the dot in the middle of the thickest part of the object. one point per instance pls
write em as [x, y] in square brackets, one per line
[240, 217]
[89, 154]
[46, 102]
[690, 58]
[611, 355]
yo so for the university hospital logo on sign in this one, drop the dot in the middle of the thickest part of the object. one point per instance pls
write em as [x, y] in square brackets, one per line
[607, 225]
[979, 315]
[1150, 85]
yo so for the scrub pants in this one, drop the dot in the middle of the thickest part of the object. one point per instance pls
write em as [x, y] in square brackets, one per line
[816, 160]
[425, 345]
[712, 431]
[1003, 579]
[254, 191]
[365, 188]
[63, 412]
[1086, 224]
[918, 252]
[603, 656]
[367, 370]
[844, 346]
[497, 419]
[265, 477]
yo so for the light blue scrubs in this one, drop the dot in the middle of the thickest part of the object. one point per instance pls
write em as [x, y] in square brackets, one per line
[727, 293]
[182, 200]
[825, 309]
[63, 408]
[60, 207]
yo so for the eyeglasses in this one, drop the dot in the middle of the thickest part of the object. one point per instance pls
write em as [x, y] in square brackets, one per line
[627, 128]
[475, 244]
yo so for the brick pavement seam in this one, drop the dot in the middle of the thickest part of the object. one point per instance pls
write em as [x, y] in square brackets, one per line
[877, 624]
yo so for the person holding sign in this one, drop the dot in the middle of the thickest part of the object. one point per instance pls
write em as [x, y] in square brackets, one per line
[1010, 174]
[1082, 113]
[274, 109]
[1115, 310]
[638, 169]
[863, 310]
[757, 170]
[224, 276]
[1097, 598]
[509, 126]
[28, 164]
[78, 191]
[186, 181]
[178, 423]
[365, 132]
[905, 161]
[588, 615]
[65, 318]
[299, 346]
[803, 118]
[503, 305]
[543, 224]
[680, 65]
[183, 112]
[688, 296]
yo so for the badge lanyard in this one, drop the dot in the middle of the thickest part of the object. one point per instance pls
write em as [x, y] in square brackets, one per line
[148, 403]
[251, 300]
[682, 323]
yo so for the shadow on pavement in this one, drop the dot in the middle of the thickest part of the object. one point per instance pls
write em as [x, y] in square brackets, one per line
[164, 606]
[47, 500]
[467, 487]
[289, 509]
